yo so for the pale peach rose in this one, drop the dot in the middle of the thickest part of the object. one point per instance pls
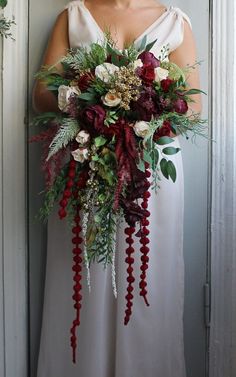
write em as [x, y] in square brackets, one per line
[80, 154]
[64, 93]
[82, 137]
[141, 128]
[111, 99]
[105, 71]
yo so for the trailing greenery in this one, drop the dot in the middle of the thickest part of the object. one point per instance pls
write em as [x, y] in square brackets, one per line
[65, 134]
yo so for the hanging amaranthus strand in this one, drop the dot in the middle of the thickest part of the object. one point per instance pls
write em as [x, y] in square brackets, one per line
[68, 190]
[130, 279]
[77, 268]
[144, 240]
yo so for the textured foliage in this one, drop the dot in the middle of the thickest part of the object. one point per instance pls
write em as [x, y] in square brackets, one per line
[65, 134]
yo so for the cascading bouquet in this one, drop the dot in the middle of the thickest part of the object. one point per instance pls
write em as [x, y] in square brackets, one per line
[107, 145]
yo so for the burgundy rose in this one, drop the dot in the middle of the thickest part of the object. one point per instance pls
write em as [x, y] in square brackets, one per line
[148, 58]
[132, 211]
[166, 83]
[84, 81]
[146, 73]
[180, 106]
[164, 130]
[93, 116]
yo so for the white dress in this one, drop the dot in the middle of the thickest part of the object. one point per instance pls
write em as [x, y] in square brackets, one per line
[151, 345]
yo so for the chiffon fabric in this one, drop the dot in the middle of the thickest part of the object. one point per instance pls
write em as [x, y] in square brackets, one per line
[152, 344]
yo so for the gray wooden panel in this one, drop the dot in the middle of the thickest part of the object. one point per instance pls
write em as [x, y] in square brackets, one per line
[2, 330]
[195, 159]
[13, 249]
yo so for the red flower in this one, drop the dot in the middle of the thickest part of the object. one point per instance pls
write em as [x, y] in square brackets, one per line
[149, 59]
[165, 130]
[146, 73]
[180, 106]
[84, 81]
[94, 117]
[166, 83]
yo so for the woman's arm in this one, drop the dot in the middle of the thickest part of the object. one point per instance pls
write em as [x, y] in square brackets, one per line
[58, 44]
[186, 54]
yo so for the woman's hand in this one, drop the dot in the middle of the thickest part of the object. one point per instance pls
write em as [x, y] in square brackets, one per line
[58, 45]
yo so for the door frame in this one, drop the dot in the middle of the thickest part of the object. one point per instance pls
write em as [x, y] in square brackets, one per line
[13, 188]
[223, 189]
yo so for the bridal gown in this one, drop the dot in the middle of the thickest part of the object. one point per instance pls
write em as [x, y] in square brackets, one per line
[151, 345]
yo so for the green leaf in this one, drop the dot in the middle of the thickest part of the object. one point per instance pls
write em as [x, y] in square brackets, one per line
[99, 141]
[143, 43]
[164, 140]
[171, 170]
[164, 168]
[150, 45]
[3, 3]
[87, 96]
[155, 158]
[141, 165]
[170, 150]
[194, 91]
[146, 156]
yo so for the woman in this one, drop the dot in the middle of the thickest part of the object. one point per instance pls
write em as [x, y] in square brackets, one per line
[152, 343]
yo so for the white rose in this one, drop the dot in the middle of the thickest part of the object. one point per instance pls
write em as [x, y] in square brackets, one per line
[64, 93]
[111, 99]
[137, 63]
[80, 154]
[141, 128]
[105, 70]
[161, 74]
[82, 137]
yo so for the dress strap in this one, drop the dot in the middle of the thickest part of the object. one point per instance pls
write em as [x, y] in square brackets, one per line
[180, 13]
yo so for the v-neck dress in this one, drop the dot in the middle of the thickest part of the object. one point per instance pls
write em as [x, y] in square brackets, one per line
[152, 344]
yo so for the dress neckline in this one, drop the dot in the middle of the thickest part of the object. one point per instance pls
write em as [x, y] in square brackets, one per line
[148, 28]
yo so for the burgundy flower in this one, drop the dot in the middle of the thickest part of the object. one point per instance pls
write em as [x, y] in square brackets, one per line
[132, 211]
[180, 106]
[166, 104]
[146, 73]
[93, 116]
[165, 130]
[113, 129]
[84, 81]
[148, 58]
[166, 83]
[73, 107]
[147, 104]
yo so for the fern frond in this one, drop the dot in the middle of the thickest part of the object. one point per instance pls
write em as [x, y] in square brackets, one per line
[65, 134]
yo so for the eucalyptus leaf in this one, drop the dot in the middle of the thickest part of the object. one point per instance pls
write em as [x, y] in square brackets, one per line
[146, 156]
[155, 158]
[141, 165]
[164, 168]
[170, 150]
[164, 140]
[171, 170]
